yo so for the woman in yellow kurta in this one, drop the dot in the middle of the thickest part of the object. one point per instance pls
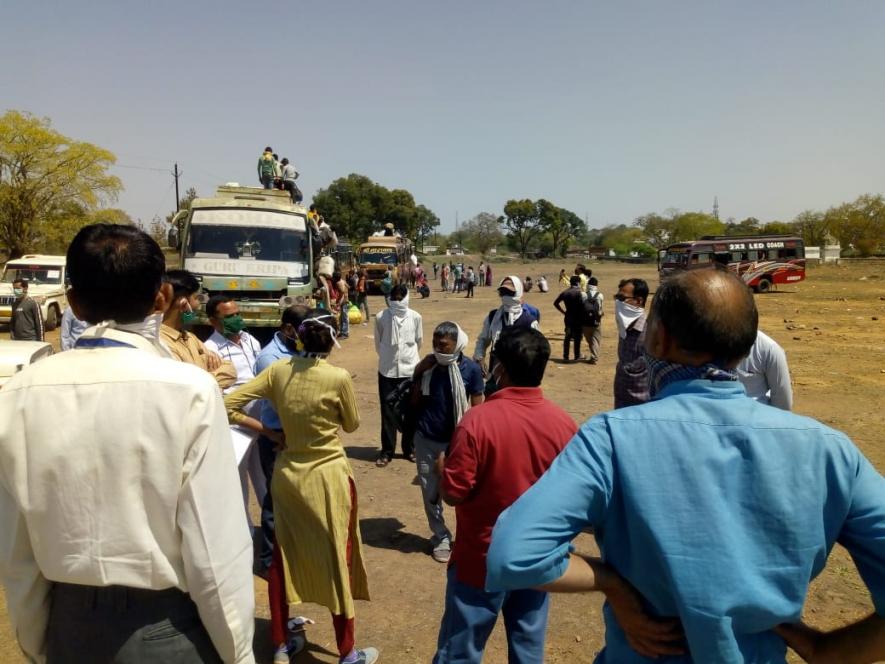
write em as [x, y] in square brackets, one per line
[315, 510]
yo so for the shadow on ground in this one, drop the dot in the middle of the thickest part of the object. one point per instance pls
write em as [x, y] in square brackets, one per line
[387, 533]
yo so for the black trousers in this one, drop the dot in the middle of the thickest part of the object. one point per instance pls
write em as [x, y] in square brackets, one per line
[386, 386]
[573, 334]
[268, 456]
[125, 626]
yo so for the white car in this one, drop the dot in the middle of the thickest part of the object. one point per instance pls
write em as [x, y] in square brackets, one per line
[16, 355]
[46, 286]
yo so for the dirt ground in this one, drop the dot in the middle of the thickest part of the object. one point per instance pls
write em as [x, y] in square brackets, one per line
[833, 329]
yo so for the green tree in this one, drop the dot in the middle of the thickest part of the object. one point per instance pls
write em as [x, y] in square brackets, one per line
[523, 223]
[812, 226]
[560, 224]
[657, 230]
[859, 225]
[482, 232]
[183, 204]
[694, 225]
[42, 174]
[777, 228]
[749, 226]
[354, 206]
[425, 222]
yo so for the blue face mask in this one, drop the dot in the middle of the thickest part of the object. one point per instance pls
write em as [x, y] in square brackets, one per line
[18, 292]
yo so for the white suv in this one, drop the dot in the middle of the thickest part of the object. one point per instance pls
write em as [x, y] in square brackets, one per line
[46, 286]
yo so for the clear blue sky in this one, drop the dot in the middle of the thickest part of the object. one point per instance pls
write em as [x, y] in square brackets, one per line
[610, 109]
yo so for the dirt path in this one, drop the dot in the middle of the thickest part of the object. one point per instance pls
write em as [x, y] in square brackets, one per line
[839, 378]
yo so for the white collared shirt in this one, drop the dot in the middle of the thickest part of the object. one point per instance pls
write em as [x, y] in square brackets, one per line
[765, 374]
[398, 360]
[243, 355]
[116, 468]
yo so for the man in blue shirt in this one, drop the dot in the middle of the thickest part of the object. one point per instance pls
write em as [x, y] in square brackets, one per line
[283, 344]
[719, 510]
[445, 385]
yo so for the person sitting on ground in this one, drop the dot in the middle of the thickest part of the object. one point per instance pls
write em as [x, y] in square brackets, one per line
[543, 287]
[765, 373]
[423, 287]
[318, 547]
[445, 385]
[763, 495]
[511, 313]
[529, 284]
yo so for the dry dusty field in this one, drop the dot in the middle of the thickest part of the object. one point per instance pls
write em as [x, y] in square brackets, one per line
[833, 329]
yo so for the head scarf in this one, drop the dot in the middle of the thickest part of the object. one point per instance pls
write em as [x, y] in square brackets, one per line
[511, 307]
[450, 363]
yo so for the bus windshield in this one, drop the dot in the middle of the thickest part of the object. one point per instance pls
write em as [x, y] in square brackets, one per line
[386, 256]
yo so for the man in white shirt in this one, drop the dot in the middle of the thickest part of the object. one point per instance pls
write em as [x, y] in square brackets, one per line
[765, 374]
[398, 337]
[231, 341]
[125, 524]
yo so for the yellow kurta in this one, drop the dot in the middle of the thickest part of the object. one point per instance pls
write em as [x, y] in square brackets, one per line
[311, 480]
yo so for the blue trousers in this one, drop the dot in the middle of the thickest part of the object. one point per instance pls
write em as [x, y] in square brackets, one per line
[470, 616]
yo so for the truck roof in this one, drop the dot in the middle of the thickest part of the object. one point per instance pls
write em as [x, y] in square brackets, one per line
[232, 195]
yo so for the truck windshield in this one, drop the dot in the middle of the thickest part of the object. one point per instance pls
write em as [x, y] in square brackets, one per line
[250, 243]
[378, 256]
[34, 274]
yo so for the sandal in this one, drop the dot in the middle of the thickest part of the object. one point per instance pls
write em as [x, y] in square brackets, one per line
[411, 457]
[382, 461]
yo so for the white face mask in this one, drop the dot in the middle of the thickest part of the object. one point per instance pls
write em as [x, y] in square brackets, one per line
[625, 316]
[445, 359]
[399, 307]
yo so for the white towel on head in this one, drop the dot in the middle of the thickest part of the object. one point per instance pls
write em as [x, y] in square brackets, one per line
[459, 392]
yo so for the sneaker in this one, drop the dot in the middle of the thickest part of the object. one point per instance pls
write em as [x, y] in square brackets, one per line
[361, 656]
[442, 553]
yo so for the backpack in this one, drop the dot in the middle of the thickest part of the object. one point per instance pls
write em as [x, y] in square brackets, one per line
[592, 311]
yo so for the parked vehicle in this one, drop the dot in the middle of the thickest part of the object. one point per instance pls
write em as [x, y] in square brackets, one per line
[250, 244]
[379, 254]
[46, 277]
[16, 355]
[761, 260]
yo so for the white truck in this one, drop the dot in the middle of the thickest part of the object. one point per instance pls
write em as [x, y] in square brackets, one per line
[46, 286]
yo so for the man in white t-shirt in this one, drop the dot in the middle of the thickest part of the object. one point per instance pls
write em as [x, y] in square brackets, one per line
[231, 341]
[765, 374]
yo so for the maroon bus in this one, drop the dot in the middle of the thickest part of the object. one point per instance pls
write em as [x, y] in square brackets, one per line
[760, 260]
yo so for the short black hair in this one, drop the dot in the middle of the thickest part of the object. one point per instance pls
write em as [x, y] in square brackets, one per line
[721, 321]
[285, 161]
[574, 280]
[315, 335]
[184, 283]
[640, 288]
[593, 281]
[268, 149]
[295, 314]
[399, 291]
[524, 353]
[214, 302]
[23, 282]
[115, 271]
[446, 329]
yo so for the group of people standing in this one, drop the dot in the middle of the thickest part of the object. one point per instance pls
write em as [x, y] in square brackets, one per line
[455, 278]
[274, 173]
[712, 510]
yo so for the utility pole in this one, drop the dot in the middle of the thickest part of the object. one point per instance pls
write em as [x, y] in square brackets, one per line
[716, 207]
[176, 174]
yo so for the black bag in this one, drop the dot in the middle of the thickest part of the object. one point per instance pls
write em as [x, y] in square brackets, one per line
[592, 311]
[400, 403]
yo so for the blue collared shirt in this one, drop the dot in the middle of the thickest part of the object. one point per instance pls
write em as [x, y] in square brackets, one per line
[717, 508]
[275, 350]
